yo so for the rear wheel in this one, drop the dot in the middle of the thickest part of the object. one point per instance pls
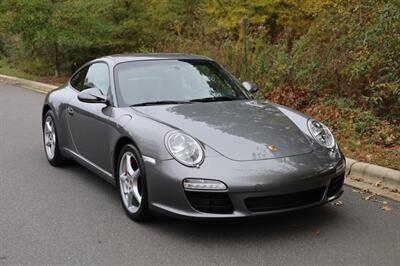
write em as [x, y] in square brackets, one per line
[132, 183]
[50, 140]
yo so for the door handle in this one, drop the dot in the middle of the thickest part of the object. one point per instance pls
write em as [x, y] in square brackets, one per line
[70, 111]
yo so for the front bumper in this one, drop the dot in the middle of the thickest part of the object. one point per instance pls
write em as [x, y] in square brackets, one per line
[253, 186]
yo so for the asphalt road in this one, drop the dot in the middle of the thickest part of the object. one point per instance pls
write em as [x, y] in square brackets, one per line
[69, 216]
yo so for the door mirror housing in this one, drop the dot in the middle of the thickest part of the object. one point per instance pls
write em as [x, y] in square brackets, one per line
[250, 86]
[92, 95]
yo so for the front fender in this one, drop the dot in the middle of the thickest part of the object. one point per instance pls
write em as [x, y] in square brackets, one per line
[56, 101]
[300, 120]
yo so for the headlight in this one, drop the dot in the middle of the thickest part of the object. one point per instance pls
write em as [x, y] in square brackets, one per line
[321, 133]
[184, 148]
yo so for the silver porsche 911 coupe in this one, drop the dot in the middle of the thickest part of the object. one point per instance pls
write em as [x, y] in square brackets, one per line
[178, 134]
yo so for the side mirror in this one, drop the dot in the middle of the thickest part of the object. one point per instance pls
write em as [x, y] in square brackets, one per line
[250, 86]
[92, 95]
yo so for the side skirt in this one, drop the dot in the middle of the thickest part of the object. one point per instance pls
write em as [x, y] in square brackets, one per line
[91, 166]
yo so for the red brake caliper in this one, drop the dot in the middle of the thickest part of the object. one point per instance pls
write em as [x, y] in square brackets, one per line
[133, 163]
[126, 169]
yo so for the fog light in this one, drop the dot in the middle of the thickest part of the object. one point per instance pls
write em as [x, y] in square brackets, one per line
[203, 184]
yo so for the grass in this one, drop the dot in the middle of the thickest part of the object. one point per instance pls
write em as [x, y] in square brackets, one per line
[6, 69]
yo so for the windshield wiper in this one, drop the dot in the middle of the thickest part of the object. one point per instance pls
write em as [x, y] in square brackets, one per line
[208, 99]
[215, 99]
[159, 103]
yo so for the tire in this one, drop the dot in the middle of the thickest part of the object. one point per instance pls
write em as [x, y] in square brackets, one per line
[131, 183]
[51, 140]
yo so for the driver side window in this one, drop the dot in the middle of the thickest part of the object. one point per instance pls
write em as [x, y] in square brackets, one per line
[78, 78]
[93, 76]
[97, 77]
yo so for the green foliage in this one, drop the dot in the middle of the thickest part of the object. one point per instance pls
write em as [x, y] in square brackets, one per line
[314, 55]
[5, 69]
[44, 29]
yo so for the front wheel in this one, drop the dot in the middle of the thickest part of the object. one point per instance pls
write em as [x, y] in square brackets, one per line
[50, 140]
[132, 183]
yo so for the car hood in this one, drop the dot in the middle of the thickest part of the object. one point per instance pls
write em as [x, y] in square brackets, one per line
[239, 130]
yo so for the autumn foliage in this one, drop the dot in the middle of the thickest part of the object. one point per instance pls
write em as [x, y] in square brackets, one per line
[338, 60]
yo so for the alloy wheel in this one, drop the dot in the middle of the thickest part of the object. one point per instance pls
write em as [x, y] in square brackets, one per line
[49, 137]
[129, 182]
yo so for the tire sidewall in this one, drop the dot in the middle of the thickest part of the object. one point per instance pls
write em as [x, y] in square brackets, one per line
[56, 160]
[142, 212]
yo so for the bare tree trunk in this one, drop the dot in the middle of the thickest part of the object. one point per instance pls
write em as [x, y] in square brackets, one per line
[244, 24]
[57, 63]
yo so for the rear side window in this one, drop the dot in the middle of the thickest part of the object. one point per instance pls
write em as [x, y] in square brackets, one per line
[77, 81]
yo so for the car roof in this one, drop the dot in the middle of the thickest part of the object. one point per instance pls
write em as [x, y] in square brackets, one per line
[119, 58]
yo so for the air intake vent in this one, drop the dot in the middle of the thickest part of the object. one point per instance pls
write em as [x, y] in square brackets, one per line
[336, 185]
[278, 202]
[210, 202]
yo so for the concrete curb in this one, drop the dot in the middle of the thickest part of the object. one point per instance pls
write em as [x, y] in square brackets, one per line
[28, 84]
[373, 178]
[372, 172]
[358, 174]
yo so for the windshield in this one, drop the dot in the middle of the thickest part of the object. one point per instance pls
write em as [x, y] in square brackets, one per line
[174, 81]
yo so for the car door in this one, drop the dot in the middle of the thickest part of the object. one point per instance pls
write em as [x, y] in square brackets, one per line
[89, 123]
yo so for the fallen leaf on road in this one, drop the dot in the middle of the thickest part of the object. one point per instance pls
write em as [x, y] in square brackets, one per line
[377, 184]
[358, 179]
[385, 208]
[380, 201]
[358, 191]
[337, 203]
[395, 190]
[369, 197]
[317, 232]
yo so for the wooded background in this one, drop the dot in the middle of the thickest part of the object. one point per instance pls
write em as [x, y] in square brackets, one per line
[338, 60]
